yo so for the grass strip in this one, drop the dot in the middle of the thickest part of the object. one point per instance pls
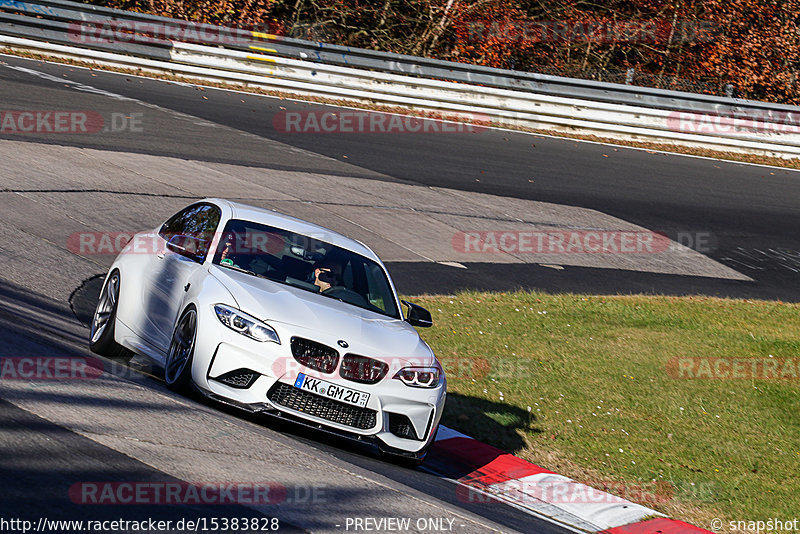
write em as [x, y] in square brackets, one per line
[687, 405]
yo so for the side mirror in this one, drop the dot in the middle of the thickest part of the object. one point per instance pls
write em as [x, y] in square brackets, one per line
[417, 315]
[188, 246]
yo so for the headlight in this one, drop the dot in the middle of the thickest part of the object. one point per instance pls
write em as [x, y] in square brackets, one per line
[419, 377]
[245, 324]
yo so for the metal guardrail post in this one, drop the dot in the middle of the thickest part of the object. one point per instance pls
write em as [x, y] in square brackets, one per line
[507, 97]
[415, 66]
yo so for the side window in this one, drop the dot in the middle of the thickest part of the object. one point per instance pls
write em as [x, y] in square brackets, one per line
[347, 275]
[378, 289]
[197, 224]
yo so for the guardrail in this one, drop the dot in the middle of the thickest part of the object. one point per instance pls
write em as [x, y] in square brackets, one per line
[502, 96]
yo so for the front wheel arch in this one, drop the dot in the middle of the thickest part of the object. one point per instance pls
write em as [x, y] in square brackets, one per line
[102, 336]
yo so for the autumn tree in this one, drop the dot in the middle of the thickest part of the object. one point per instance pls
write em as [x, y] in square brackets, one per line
[679, 44]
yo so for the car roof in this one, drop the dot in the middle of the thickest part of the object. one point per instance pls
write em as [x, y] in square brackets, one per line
[293, 224]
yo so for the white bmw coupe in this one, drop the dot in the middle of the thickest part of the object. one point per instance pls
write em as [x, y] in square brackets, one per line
[274, 314]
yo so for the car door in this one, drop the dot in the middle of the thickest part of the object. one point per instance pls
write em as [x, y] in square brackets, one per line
[183, 245]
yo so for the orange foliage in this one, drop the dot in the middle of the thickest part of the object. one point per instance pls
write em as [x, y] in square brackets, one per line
[696, 45]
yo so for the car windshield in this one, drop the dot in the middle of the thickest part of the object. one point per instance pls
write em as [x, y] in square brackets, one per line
[309, 263]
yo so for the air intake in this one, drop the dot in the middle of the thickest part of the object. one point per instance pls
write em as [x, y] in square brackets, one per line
[338, 412]
[314, 355]
[240, 378]
[400, 425]
[362, 369]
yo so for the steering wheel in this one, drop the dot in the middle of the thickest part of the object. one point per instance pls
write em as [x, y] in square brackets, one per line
[346, 295]
[274, 266]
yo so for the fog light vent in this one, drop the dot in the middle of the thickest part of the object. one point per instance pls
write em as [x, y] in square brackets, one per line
[400, 425]
[240, 378]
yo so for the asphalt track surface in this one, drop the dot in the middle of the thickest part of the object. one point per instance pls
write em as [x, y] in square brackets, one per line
[749, 212]
[747, 216]
[127, 427]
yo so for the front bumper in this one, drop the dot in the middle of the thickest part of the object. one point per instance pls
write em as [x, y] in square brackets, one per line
[399, 418]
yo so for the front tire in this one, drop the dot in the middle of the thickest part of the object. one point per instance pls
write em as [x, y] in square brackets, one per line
[101, 336]
[178, 367]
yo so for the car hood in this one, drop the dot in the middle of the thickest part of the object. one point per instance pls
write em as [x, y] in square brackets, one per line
[325, 319]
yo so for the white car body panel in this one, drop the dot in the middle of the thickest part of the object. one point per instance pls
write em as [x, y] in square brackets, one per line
[157, 285]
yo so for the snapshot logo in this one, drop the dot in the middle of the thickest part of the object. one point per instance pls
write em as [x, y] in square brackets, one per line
[773, 524]
[353, 121]
[179, 493]
[654, 31]
[701, 368]
[561, 242]
[764, 122]
[49, 368]
[123, 31]
[571, 492]
[67, 122]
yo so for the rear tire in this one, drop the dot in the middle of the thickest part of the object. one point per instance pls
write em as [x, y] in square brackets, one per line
[101, 335]
[178, 367]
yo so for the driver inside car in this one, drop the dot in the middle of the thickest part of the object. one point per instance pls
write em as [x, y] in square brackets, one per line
[327, 273]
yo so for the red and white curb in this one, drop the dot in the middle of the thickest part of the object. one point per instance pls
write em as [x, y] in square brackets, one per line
[485, 473]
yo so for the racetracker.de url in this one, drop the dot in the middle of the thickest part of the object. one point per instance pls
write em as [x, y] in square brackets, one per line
[200, 524]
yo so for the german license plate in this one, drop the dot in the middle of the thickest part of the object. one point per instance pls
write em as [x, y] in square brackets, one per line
[331, 391]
